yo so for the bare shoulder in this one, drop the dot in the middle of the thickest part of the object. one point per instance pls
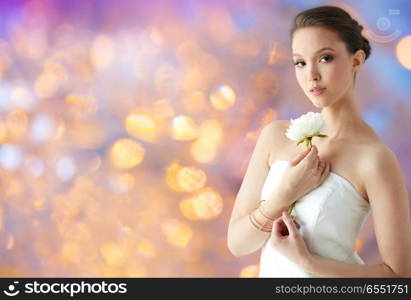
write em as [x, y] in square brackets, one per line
[277, 140]
[378, 157]
[379, 153]
[277, 128]
[277, 125]
[370, 150]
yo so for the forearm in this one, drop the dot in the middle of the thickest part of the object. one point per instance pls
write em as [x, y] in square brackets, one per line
[244, 238]
[321, 266]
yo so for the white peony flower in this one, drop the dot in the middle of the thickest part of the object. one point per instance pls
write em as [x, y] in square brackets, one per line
[304, 128]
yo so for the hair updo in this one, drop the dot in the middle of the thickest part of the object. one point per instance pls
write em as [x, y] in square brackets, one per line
[337, 20]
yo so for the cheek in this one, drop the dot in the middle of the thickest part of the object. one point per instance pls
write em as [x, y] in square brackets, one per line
[300, 77]
[335, 75]
[339, 74]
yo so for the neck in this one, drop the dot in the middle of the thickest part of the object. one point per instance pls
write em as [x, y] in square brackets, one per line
[342, 118]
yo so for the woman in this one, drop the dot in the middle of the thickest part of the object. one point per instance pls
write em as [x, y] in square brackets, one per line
[337, 182]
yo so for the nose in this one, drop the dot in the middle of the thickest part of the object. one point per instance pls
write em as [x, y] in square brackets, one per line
[313, 74]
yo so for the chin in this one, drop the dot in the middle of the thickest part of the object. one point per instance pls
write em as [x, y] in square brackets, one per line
[319, 104]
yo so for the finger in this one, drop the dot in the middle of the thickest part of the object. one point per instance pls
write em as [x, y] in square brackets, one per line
[280, 229]
[295, 222]
[321, 164]
[277, 220]
[300, 156]
[290, 225]
[314, 166]
[326, 169]
[311, 156]
[279, 232]
[277, 226]
[318, 165]
[281, 226]
[313, 151]
[321, 167]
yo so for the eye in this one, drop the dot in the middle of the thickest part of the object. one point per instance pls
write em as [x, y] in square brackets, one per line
[329, 57]
[297, 63]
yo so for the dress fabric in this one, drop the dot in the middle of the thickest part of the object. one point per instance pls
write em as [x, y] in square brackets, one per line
[331, 217]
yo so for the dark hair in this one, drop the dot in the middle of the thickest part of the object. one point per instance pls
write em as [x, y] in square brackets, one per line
[337, 20]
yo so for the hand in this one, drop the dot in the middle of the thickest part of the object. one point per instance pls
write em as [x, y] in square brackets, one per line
[303, 174]
[286, 239]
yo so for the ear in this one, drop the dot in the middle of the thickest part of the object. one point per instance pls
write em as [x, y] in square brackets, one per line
[358, 59]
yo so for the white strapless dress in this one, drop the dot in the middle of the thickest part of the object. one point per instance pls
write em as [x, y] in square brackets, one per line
[331, 217]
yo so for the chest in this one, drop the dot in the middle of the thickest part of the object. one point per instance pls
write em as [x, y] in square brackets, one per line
[345, 160]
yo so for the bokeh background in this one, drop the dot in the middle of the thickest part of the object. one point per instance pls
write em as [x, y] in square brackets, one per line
[126, 126]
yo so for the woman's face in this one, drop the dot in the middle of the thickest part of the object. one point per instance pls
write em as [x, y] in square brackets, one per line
[330, 68]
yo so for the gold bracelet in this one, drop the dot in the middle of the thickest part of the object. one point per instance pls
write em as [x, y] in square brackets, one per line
[252, 222]
[264, 215]
[258, 225]
[264, 224]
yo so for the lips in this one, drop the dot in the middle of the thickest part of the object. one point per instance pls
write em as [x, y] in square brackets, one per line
[317, 90]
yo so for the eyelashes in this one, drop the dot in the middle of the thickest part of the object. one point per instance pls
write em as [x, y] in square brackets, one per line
[329, 58]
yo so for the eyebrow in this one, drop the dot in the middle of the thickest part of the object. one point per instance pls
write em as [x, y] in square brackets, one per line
[322, 49]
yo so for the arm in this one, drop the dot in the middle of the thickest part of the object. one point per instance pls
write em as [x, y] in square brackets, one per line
[242, 237]
[321, 266]
[389, 204]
